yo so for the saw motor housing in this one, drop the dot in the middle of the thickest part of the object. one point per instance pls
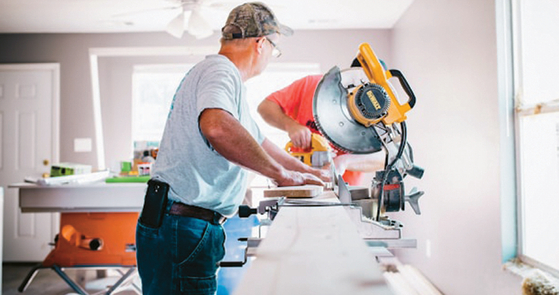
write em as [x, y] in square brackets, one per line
[396, 112]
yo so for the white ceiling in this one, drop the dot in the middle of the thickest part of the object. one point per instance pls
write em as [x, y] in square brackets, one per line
[102, 16]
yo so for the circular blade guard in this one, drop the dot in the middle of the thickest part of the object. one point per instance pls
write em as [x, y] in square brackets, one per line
[332, 115]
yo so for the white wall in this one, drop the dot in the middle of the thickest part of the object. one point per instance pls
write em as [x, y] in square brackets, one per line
[448, 52]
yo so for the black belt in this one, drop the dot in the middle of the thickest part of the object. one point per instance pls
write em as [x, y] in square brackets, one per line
[208, 215]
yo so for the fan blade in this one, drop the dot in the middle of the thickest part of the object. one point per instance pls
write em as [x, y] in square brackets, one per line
[176, 26]
[145, 11]
[198, 26]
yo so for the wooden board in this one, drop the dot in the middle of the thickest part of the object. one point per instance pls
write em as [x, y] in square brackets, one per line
[305, 191]
[313, 250]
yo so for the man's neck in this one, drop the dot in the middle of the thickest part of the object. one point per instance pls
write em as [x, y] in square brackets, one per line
[243, 59]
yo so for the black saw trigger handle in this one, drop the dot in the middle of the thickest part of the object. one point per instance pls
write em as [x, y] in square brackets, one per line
[405, 85]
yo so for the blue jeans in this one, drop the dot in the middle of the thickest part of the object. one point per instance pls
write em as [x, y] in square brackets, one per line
[180, 257]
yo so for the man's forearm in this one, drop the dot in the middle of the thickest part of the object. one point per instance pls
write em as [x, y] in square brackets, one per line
[362, 163]
[284, 159]
[274, 115]
[231, 140]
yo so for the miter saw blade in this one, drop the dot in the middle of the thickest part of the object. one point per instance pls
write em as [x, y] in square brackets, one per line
[332, 115]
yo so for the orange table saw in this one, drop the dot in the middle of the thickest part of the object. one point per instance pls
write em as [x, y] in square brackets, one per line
[97, 228]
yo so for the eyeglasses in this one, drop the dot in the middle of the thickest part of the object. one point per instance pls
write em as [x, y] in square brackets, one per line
[276, 52]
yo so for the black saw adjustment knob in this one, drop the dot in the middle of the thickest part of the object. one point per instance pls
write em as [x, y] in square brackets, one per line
[372, 101]
[245, 211]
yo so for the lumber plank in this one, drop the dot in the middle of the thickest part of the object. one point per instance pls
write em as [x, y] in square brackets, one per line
[305, 191]
[313, 250]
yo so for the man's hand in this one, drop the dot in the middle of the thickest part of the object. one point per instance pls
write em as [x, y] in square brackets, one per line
[294, 178]
[274, 115]
[292, 164]
[323, 174]
[300, 135]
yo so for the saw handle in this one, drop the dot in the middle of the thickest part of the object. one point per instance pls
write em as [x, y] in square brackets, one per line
[375, 72]
[292, 149]
[405, 85]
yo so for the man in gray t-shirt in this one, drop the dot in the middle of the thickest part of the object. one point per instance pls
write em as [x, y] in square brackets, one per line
[209, 142]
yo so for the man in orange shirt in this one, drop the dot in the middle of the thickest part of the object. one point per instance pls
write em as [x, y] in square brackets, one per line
[290, 109]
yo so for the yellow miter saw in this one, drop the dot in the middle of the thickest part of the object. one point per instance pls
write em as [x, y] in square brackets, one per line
[358, 111]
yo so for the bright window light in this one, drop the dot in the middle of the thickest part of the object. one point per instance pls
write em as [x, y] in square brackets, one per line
[539, 162]
[537, 120]
[153, 88]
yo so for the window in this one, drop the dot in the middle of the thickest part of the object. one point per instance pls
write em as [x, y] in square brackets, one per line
[536, 73]
[155, 85]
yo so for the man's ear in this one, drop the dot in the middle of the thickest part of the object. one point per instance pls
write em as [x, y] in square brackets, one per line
[259, 45]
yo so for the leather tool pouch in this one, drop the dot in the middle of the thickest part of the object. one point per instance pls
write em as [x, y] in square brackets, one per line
[155, 204]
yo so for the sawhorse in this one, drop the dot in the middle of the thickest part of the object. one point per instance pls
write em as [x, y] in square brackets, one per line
[127, 276]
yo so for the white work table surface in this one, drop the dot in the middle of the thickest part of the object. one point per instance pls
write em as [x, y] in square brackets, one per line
[92, 197]
[313, 250]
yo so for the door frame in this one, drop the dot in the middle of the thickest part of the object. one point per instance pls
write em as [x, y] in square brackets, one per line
[54, 69]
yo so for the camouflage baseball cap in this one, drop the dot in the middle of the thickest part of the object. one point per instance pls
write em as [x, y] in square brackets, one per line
[252, 19]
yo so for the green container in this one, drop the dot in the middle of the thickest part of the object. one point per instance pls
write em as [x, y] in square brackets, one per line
[120, 179]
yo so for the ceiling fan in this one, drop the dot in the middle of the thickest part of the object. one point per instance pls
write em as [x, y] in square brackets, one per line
[189, 17]
[197, 26]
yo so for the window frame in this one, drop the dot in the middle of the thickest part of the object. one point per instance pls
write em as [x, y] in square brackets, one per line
[514, 88]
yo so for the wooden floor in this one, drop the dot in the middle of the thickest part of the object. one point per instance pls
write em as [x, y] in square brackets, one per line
[46, 282]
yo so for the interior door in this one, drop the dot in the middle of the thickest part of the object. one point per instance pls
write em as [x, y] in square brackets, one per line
[29, 116]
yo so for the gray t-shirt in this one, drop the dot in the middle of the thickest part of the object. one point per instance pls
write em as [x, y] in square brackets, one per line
[196, 173]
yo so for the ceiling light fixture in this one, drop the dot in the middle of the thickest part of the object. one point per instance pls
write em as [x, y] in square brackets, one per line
[197, 25]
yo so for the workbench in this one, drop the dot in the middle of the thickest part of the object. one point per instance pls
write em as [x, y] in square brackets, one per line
[313, 250]
[92, 197]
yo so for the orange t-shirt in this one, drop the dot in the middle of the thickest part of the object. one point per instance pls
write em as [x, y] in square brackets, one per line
[296, 101]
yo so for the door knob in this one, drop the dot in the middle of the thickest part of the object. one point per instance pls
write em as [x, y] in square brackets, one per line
[46, 162]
